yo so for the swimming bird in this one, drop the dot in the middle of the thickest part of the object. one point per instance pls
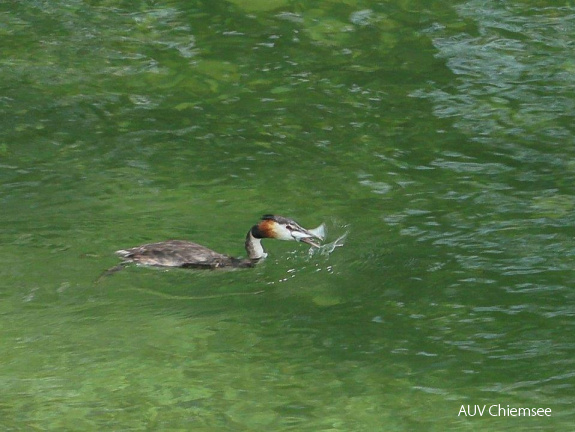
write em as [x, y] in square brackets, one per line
[182, 253]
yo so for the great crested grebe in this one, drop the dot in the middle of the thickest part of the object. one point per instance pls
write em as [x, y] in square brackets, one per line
[181, 253]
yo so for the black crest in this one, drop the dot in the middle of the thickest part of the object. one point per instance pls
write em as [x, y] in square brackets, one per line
[278, 219]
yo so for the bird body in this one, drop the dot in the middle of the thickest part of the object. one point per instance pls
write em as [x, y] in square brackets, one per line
[179, 253]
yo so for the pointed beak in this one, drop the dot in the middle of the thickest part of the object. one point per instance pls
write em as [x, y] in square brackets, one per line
[308, 236]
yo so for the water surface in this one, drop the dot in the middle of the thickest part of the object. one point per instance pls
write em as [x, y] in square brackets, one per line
[439, 136]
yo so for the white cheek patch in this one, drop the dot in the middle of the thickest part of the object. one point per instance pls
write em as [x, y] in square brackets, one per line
[283, 233]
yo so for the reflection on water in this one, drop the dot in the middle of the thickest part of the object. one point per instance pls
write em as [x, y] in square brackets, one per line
[439, 137]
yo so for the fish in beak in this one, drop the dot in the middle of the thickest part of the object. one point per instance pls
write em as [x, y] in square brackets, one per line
[307, 236]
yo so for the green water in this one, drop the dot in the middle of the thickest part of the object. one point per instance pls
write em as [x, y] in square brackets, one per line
[441, 137]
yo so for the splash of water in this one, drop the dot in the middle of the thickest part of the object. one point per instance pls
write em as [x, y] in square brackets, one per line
[328, 248]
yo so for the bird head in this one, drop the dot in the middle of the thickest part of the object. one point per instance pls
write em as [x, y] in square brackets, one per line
[282, 228]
